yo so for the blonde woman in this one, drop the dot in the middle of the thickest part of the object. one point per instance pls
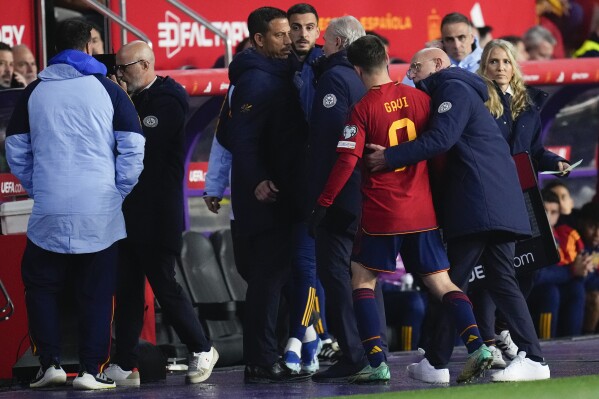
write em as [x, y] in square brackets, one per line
[516, 109]
[515, 106]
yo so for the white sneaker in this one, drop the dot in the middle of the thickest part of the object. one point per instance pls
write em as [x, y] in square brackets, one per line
[88, 382]
[52, 376]
[121, 377]
[201, 365]
[522, 369]
[423, 371]
[498, 362]
[310, 351]
[507, 346]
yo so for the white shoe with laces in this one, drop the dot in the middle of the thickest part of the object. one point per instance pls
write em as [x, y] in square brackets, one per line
[88, 382]
[423, 371]
[522, 369]
[505, 343]
[52, 376]
[498, 362]
[121, 377]
[201, 365]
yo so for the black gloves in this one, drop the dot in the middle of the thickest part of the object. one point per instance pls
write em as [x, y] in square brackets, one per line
[315, 219]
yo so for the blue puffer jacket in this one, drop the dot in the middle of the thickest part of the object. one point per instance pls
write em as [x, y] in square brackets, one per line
[480, 189]
[524, 134]
[76, 144]
[338, 88]
[266, 135]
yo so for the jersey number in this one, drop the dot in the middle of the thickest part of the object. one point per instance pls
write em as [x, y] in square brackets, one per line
[406, 123]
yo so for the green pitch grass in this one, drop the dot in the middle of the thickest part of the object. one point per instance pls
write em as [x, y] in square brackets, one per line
[586, 387]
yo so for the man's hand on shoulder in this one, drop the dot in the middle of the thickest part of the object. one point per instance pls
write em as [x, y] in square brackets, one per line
[266, 192]
[375, 158]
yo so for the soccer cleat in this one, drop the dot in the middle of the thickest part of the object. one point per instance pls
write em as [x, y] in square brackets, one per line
[339, 372]
[310, 352]
[498, 362]
[200, 365]
[370, 375]
[121, 377]
[52, 376]
[507, 346]
[423, 371]
[330, 352]
[476, 364]
[87, 382]
[522, 369]
[293, 361]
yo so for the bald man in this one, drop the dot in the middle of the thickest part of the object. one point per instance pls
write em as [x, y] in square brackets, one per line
[24, 62]
[154, 220]
[481, 208]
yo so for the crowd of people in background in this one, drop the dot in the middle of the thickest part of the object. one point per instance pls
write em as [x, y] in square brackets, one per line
[323, 152]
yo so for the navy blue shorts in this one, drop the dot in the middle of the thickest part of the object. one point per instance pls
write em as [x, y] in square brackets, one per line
[422, 253]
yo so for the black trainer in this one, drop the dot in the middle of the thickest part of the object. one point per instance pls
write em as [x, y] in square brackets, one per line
[277, 373]
[330, 353]
[339, 372]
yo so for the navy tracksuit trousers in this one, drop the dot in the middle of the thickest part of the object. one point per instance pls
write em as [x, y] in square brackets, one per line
[44, 275]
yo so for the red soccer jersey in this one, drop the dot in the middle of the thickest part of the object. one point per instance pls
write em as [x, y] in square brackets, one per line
[398, 201]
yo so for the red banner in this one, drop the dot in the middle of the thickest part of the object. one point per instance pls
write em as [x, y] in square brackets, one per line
[10, 187]
[17, 24]
[196, 175]
[178, 40]
[201, 82]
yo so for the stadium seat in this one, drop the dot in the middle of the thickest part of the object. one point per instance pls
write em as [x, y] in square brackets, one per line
[222, 241]
[210, 294]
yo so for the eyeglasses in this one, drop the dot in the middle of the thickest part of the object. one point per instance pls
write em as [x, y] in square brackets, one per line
[415, 67]
[123, 67]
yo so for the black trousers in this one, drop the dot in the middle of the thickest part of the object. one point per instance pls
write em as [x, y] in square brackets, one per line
[264, 261]
[137, 261]
[333, 252]
[464, 254]
[487, 316]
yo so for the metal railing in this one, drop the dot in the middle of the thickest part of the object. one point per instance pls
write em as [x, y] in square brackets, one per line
[203, 21]
[7, 310]
[118, 20]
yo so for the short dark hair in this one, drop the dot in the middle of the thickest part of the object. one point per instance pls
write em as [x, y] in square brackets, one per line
[5, 47]
[549, 196]
[241, 45]
[302, 8]
[455, 18]
[73, 34]
[589, 213]
[383, 38]
[259, 19]
[367, 52]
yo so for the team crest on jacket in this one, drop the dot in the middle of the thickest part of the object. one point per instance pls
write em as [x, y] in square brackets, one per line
[150, 121]
[446, 106]
[349, 131]
[329, 100]
[246, 108]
